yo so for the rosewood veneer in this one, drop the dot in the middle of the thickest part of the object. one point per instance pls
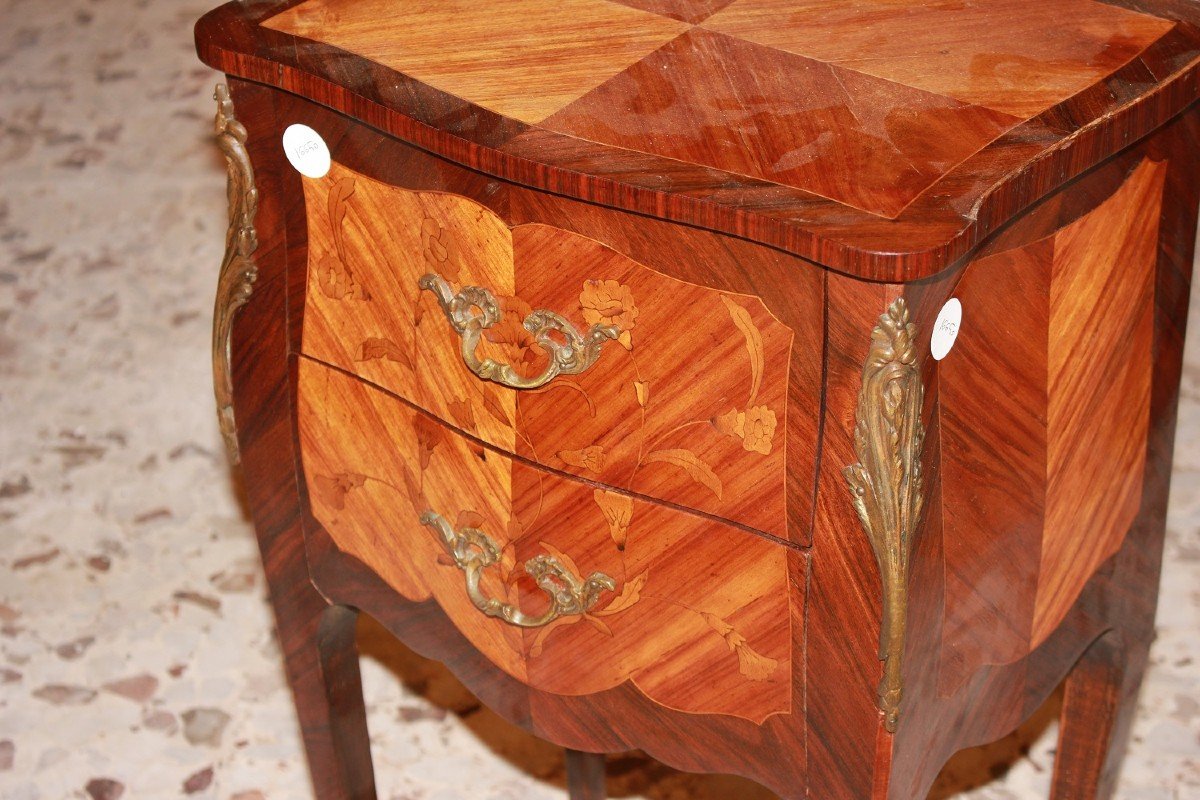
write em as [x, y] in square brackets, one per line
[780, 388]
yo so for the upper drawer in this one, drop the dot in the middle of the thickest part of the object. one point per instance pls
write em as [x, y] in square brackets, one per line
[672, 390]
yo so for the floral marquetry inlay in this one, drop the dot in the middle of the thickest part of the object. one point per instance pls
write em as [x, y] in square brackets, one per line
[552, 346]
[568, 588]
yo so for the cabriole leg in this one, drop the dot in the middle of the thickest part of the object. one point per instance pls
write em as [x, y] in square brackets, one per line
[1098, 708]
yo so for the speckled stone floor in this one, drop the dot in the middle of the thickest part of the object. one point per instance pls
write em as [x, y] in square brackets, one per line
[136, 654]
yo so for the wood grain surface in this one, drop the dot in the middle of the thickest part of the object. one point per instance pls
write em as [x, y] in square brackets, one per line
[1057, 459]
[688, 404]
[1099, 360]
[699, 618]
[1118, 600]
[867, 143]
[882, 139]
[1017, 57]
[973, 591]
[490, 54]
[322, 668]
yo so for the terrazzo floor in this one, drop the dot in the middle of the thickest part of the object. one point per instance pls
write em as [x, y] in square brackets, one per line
[136, 654]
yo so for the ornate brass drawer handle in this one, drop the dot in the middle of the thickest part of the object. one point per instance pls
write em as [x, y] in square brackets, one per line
[474, 551]
[474, 309]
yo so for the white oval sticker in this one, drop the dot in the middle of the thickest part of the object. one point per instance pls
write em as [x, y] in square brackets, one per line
[306, 151]
[945, 330]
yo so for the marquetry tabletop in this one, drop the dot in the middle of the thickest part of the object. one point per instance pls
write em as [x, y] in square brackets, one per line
[881, 138]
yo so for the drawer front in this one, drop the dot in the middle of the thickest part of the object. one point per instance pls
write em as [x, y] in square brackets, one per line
[674, 391]
[695, 613]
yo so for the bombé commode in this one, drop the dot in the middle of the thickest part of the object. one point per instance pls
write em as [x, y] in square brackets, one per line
[780, 389]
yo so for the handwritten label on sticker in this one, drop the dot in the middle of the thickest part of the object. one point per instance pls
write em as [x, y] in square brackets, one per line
[945, 330]
[306, 151]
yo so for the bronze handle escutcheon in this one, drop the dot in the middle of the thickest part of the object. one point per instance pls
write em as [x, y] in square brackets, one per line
[474, 551]
[473, 309]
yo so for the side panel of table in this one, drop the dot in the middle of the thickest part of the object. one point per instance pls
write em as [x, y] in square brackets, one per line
[1047, 490]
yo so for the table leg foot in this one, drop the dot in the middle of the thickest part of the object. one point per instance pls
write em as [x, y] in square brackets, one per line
[1098, 707]
[585, 776]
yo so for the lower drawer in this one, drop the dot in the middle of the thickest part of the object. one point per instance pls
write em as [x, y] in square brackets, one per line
[567, 587]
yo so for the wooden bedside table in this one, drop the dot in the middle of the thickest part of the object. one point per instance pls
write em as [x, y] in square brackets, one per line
[782, 389]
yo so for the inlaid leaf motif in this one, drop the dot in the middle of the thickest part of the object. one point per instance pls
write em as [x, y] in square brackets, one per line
[469, 519]
[618, 510]
[493, 407]
[440, 251]
[690, 463]
[334, 276]
[374, 349]
[754, 344]
[337, 205]
[598, 624]
[331, 490]
[463, 414]
[631, 592]
[539, 641]
[414, 490]
[751, 663]
[431, 234]
[642, 388]
[590, 458]
[429, 436]
[508, 563]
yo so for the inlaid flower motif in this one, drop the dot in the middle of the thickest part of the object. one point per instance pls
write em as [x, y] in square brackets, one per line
[727, 423]
[610, 303]
[630, 594]
[463, 413]
[751, 663]
[755, 427]
[642, 389]
[618, 511]
[510, 334]
[590, 458]
[440, 250]
[758, 429]
[331, 490]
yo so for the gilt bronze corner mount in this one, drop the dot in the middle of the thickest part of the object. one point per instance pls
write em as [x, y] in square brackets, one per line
[886, 481]
[238, 271]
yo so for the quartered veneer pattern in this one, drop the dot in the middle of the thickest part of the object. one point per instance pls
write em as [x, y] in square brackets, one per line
[1015, 57]
[841, 100]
